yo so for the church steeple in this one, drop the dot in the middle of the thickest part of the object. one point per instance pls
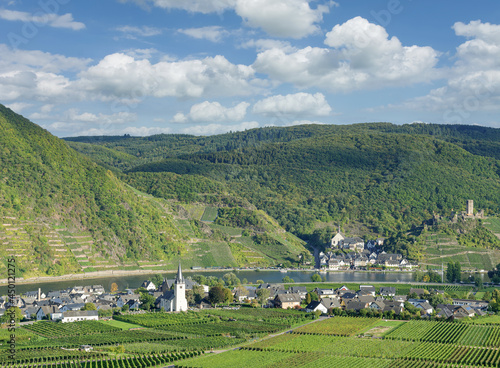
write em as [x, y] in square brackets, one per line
[179, 278]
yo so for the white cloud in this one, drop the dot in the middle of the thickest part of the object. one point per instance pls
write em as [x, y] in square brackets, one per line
[299, 104]
[279, 18]
[361, 57]
[103, 119]
[145, 31]
[211, 129]
[267, 44]
[212, 112]
[122, 76]
[212, 33]
[24, 60]
[18, 107]
[52, 20]
[474, 80]
[282, 18]
[195, 6]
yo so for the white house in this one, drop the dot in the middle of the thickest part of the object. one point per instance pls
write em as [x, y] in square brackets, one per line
[74, 316]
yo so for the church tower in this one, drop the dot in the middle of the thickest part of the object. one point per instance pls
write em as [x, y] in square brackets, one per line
[180, 302]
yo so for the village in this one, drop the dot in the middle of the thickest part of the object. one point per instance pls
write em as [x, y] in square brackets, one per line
[354, 253]
[93, 302]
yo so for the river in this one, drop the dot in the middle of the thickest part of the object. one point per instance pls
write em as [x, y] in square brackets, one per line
[134, 281]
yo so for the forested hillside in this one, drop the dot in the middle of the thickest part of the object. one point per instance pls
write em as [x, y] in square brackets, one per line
[62, 213]
[384, 176]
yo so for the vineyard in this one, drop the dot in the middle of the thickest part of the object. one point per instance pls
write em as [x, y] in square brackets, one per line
[59, 329]
[339, 342]
[339, 326]
[180, 339]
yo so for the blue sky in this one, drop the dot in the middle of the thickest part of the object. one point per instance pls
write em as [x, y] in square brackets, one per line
[202, 67]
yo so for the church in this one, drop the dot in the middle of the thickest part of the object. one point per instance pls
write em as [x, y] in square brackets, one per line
[175, 301]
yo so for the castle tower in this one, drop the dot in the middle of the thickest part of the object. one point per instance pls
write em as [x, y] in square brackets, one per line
[180, 302]
[470, 207]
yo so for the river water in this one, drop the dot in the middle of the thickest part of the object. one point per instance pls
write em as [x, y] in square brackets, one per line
[134, 281]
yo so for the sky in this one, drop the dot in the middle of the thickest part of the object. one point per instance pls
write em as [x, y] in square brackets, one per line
[203, 67]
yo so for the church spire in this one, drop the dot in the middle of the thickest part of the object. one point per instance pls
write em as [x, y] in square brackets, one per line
[179, 277]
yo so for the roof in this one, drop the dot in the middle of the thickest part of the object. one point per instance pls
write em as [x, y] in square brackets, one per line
[289, 298]
[91, 313]
[313, 305]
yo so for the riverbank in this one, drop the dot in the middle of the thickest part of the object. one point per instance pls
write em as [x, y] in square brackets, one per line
[121, 273]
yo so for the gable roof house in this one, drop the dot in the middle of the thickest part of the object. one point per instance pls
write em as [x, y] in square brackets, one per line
[286, 301]
[73, 316]
[316, 306]
[388, 291]
[331, 303]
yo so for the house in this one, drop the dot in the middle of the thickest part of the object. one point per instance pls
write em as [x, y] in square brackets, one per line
[477, 304]
[425, 306]
[316, 306]
[355, 243]
[380, 306]
[86, 348]
[367, 288]
[331, 303]
[300, 290]
[74, 316]
[366, 299]
[34, 313]
[148, 285]
[286, 301]
[333, 264]
[355, 305]
[388, 291]
[325, 293]
[98, 289]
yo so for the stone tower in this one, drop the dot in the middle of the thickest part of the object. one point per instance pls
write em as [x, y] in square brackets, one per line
[180, 302]
[470, 207]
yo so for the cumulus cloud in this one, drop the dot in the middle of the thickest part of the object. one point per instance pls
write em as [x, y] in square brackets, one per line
[279, 18]
[474, 80]
[212, 112]
[212, 33]
[267, 44]
[361, 56]
[52, 20]
[282, 18]
[299, 104]
[122, 76]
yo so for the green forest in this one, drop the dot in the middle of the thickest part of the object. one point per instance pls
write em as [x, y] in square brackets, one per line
[251, 198]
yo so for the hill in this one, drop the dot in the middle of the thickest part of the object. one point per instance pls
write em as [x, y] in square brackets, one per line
[62, 213]
[373, 179]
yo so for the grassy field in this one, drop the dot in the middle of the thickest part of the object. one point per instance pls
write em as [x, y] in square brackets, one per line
[493, 224]
[120, 324]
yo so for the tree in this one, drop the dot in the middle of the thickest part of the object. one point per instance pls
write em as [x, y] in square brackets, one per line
[12, 313]
[287, 280]
[316, 277]
[228, 295]
[147, 301]
[231, 279]
[263, 295]
[260, 282]
[89, 307]
[478, 281]
[114, 287]
[157, 280]
[244, 281]
[216, 295]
